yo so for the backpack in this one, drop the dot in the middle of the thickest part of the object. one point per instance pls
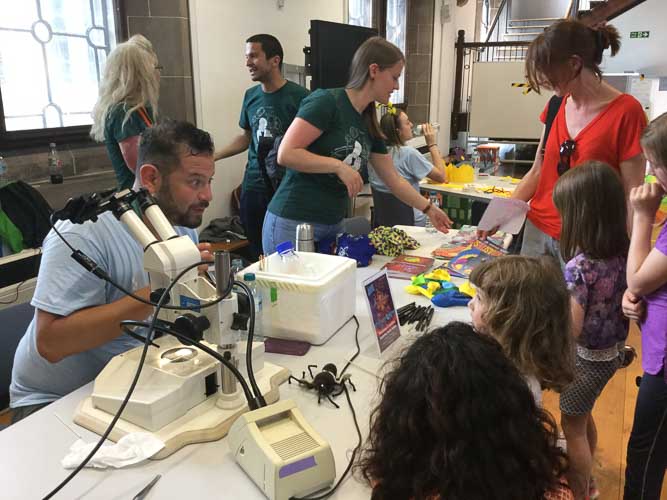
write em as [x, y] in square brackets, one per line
[267, 158]
[552, 111]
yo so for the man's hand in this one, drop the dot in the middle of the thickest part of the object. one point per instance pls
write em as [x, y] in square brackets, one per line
[439, 219]
[351, 178]
[482, 235]
[633, 306]
[205, 253]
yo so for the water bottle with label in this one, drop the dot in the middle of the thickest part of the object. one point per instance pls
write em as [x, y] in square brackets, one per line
[249, 278]
[436, 203]
[418, 130]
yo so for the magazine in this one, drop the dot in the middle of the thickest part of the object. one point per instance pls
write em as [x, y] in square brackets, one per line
[479, 251]
[406, 266]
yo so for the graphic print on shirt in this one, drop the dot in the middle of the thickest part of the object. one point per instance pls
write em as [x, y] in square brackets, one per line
[353, 153]
[265, 123]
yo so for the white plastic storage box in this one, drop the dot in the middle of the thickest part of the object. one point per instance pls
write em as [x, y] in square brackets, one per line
[310, 304]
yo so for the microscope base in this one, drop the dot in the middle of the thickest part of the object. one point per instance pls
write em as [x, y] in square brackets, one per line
[204, 422]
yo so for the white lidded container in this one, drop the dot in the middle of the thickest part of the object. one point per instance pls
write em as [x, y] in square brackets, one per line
[309, 304]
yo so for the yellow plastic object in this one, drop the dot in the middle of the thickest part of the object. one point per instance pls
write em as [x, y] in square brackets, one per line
[427, 292]
[467, 288]
[438, 274]
[461, 174]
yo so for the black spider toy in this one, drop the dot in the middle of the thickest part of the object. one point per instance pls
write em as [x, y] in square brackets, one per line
[325, 383]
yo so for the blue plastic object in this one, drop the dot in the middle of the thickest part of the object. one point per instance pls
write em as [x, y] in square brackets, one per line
[450, 298]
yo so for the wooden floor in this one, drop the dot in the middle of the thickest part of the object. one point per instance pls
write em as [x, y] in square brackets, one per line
[613, 415]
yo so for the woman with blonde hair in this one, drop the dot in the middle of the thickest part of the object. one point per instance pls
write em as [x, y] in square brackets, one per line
[333, 137]
[127, 104]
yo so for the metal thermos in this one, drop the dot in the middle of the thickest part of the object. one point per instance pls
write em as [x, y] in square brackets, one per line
[304, 238]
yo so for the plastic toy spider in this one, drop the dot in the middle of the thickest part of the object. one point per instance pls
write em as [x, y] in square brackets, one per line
[326, 383]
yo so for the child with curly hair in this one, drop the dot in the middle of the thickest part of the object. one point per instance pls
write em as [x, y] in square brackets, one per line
[594, 243]
[523, 303]
[457, 421]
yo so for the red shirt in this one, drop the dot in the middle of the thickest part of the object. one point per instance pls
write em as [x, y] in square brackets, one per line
[611, 137]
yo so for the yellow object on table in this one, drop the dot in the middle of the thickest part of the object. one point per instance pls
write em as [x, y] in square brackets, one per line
[462, 174]
[467, 288]
[427, 292]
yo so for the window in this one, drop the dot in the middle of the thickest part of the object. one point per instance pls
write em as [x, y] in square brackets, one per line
[52, 53]
[392, 26]
[360, 13]
[395, 29]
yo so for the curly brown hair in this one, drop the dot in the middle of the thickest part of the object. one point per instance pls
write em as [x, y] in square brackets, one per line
[528, 312]
[457, 421]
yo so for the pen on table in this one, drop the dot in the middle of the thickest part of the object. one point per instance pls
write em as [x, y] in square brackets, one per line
[142, 494]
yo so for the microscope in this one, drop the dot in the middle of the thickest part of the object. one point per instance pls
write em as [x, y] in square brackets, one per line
[184, 395]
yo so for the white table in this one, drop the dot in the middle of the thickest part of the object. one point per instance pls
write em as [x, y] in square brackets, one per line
[473, 194]
[33, 448]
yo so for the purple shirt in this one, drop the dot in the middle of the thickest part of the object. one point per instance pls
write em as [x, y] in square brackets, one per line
[654, 327]
[598, 285]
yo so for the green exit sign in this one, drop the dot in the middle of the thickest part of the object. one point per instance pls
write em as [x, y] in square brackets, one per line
[639, 34]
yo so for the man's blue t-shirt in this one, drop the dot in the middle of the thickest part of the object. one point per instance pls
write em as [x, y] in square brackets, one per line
[64, 287]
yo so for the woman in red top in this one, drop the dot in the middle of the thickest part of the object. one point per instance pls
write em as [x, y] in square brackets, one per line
[595, 122]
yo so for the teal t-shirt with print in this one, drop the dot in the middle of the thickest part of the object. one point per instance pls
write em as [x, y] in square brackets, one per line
[116, 131]
[322, 198]
[266, 115]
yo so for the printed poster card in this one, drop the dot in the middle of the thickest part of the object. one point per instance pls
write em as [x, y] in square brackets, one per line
[382, 311]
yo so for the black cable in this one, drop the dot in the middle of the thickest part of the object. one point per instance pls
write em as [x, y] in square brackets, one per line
[111, 425]
[248, 351]
[333, 334]
[252, 403]
[352, 458]
[356, 354]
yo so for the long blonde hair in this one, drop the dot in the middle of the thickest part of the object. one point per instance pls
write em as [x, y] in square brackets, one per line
[375, 50]
[130, 78]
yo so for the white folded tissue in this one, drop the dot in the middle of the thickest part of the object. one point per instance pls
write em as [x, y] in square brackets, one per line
[129, 449]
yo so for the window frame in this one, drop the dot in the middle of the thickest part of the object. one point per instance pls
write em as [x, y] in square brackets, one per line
[16, 140]
[379, 22]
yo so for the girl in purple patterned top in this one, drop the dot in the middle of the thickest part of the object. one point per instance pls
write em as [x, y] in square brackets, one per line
[593, 242]
[647, 283]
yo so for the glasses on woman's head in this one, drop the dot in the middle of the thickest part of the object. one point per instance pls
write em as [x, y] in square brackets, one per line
[159, 67]
[566, 151]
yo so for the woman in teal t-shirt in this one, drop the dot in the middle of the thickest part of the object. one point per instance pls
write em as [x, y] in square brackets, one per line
[334, 135]
[127, 104]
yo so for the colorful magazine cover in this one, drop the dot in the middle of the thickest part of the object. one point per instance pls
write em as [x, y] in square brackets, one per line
[383, 312]
[479, 251]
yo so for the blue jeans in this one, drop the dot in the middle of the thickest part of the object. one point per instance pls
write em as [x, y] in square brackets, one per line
[253, 209]
[647, 448]
[278, 229]
[536, 243]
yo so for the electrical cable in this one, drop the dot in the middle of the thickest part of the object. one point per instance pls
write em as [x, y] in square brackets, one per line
[248, 352]
[333, 334]
[252, 403]
[111, 425]
[356, 354]
[352, 458]
[356, 425]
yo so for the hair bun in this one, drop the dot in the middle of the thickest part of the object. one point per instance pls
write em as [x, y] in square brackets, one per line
[608, 37]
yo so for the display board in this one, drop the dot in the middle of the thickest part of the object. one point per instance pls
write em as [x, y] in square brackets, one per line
[500, 111]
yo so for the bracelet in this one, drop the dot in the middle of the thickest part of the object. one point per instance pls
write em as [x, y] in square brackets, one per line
[428, 207]
[431, 145]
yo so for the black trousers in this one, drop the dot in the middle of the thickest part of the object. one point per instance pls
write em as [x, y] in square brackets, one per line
[253, 210]
[647, 448]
